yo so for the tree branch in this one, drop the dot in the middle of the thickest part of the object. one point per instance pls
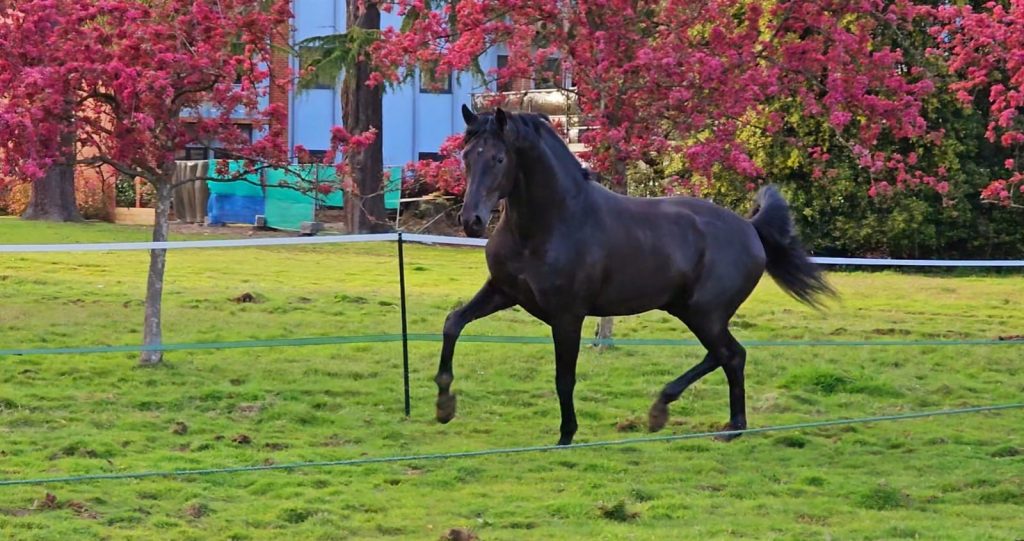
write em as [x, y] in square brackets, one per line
[103, 160]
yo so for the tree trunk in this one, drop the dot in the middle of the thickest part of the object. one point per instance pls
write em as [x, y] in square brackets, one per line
[603, 332]
[53, 196]
[362, 109]
[151, 330]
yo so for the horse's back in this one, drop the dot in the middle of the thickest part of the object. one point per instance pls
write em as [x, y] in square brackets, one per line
[716, 251]
[686, 216]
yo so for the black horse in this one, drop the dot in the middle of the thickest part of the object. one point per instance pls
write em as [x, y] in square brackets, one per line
[566, 248]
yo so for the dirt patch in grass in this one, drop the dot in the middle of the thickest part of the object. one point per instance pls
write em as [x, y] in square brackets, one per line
[459, 534]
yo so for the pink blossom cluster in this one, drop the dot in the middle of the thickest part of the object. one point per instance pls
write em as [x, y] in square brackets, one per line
[444, 175]
[673, 77]
[985, 48]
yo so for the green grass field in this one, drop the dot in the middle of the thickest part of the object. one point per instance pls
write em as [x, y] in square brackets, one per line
[942, 478]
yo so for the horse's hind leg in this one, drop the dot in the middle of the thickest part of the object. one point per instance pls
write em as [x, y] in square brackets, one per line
[733, 366]
[486, 302]
[723, 351]
[658, 415]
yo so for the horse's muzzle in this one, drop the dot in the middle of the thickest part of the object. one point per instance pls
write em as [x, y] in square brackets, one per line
[474, 225]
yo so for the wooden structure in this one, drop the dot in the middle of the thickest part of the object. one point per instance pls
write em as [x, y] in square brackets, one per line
[561, 106]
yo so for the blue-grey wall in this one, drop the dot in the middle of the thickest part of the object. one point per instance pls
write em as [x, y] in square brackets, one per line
[414, 121]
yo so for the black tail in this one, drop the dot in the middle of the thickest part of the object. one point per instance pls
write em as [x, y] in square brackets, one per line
[787, 262]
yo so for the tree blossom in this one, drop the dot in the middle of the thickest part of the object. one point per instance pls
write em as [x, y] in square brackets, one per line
[985, 49]
[672, 77]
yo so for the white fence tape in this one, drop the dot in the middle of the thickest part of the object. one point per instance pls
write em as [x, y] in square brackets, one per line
[918, 262]
[180, 244]
[438, 240]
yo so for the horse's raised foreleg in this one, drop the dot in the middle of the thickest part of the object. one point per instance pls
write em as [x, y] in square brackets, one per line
[486, 302]
[567, 336]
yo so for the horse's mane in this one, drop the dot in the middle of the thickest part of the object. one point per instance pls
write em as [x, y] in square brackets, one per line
[526, 129]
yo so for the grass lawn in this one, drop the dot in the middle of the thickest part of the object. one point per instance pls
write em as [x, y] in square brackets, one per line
[942, 478]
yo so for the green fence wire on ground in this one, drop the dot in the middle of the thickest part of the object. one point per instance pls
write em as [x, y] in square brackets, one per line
[482, 339]
[504, 451]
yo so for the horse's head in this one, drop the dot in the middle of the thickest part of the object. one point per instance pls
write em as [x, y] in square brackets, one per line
[489, 161]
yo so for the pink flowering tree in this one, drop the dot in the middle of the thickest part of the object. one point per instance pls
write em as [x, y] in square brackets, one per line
[676, 78]
[984, 47]
[131, 83]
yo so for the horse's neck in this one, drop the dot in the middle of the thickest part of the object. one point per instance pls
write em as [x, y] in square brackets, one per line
[545, 195]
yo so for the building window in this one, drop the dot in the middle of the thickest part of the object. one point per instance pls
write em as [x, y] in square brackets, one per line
[506, 85]
[550, 76]
[311, 56]
[431, 83]
[246, 130]
[192, 153]
[200, 150]
[314, 157]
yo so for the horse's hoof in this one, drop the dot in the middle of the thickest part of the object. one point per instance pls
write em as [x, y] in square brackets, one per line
[726, 438]
[445, 408]
[658, 416]
[564, 441]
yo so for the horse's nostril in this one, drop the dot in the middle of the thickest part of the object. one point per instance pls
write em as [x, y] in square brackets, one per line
[474, 225]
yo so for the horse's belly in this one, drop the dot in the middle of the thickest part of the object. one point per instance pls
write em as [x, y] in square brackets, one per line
[622, 300]
[642, 282]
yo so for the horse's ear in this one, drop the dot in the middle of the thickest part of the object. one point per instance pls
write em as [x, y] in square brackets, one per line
[468, 115]
[500, 118]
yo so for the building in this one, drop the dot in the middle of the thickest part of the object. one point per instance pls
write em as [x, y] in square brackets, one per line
[417, 116]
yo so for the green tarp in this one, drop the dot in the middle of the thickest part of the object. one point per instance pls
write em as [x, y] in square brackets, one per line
[287, 207]
[393, 191]
[249, 186]
[292, 196]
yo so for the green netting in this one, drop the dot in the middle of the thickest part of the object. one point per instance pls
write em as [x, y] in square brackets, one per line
[291, 196]
[286, 208]
[393, 191]
[326, 173]
[249, 186]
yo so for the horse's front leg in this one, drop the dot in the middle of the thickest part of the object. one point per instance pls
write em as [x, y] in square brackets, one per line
[566, 335]
[486, 302]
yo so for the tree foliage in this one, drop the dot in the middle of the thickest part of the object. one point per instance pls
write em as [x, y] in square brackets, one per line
[894, 125]
[688, 78]
[984, 47]
[143, 79]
